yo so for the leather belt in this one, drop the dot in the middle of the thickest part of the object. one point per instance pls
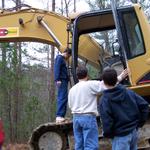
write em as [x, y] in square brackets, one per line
[89, 113]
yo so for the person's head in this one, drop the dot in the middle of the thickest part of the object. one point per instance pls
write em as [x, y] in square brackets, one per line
[109, 77]
[82, 72]
[67, 53]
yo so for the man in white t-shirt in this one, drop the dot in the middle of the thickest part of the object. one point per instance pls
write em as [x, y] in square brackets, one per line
[82, 101]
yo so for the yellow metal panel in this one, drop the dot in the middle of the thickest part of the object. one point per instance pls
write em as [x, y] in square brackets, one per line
[140, 65]
[143, 90]
[89, 50]
[32, 30]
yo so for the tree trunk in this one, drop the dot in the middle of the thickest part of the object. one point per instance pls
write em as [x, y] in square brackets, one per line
[6, 110]
[17, 97]
[134, 1]
[52, 84]
[74, 5]
[3, 4]
[16, 93]
[53, 5]
[67, 11]
[106, 38]
[62, 7]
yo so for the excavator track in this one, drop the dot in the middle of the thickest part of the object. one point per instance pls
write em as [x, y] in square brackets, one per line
[51, 136]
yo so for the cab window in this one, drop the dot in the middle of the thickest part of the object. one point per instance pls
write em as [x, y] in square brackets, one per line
[134, 35]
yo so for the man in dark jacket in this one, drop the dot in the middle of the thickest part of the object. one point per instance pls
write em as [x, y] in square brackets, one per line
[122, 112]
[61, 79]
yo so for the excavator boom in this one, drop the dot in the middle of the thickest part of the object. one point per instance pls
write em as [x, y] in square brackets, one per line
[37, 25]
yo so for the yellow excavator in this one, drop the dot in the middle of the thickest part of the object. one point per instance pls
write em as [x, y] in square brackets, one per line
[128, 32]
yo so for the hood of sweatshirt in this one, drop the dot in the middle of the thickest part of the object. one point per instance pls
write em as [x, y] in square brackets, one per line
[116, 94]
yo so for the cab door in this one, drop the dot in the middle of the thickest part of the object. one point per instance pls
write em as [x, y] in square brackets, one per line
[136, 34]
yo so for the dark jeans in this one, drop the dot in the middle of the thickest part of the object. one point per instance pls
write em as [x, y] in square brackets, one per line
[62, 99]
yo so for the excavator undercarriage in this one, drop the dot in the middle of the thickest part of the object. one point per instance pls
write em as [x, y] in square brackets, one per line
[52, 136]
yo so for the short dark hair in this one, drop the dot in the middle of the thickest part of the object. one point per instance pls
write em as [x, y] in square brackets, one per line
[109, 77]
[81, 72]
[68, 51]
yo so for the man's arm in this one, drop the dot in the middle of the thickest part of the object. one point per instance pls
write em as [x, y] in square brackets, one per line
[99, 86]
[57, 68]
[123, 75]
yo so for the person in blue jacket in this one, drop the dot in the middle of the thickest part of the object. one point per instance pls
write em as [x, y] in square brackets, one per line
[122, 112]
[61, 80]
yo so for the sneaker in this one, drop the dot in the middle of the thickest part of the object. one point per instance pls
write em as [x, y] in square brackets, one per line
[60, 119]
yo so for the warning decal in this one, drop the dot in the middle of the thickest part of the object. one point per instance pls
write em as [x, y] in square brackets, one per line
[9, 32]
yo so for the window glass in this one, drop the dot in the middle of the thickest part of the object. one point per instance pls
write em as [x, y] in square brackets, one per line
[109, 55]
[134, 36]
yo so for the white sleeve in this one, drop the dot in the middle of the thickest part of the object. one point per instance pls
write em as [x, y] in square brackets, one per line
[69, 99]
[97, 86]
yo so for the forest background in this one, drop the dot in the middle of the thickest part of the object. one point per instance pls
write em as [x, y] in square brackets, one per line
[27, 90]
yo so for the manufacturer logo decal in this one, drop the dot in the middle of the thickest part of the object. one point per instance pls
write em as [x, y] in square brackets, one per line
[9, 32]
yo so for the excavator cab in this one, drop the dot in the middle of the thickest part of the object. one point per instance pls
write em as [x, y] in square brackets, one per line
[124, 35]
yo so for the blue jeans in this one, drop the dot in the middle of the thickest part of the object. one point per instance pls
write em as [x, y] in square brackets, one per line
[62, 99]
[128, 142]
[85, 132]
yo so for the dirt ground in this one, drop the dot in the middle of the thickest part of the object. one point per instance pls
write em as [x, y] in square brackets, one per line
[16, 147]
